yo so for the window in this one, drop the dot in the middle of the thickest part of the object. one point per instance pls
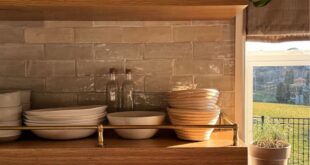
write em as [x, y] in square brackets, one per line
[278, 87]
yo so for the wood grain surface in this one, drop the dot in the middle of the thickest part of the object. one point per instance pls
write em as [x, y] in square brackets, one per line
[164, 148]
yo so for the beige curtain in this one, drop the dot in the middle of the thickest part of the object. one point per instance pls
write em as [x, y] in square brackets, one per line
[280, 20]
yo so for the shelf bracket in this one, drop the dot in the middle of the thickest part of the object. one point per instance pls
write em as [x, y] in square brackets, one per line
[100, 136]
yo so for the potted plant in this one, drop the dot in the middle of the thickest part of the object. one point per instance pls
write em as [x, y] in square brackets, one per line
[270, 146]
[260, 3]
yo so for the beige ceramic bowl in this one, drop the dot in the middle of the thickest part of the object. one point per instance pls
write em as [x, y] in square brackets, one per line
[193, 93]
[10, 99]
[194, 117]
[10, 113]
[136, 118]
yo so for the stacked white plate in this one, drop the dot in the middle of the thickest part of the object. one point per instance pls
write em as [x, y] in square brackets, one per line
[10, 114]
[194, 107]
[82, 115]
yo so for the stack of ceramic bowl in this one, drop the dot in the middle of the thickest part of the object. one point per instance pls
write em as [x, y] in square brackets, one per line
[10, 114]
[194, 107]
[67, 116]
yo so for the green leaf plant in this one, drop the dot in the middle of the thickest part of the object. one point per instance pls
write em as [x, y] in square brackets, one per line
[260, 3]
[270, 135]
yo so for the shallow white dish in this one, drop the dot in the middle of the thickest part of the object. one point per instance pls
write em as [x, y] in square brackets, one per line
[10, 99]
[68, 111]
[94, 122]
[95, 119]
[10, 113]
[136, 118]
[62, 118]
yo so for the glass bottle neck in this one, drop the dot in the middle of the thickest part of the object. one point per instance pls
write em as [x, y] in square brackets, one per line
[128, 76]
[112, 76]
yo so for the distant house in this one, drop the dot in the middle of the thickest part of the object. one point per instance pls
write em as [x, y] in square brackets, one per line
[299, 91]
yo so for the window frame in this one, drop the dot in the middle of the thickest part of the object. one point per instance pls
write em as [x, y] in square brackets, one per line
[280, 58]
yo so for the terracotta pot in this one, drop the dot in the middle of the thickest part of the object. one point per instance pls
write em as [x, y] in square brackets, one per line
[269, 156]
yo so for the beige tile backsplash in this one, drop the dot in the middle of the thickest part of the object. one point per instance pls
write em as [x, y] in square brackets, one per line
[66, 62]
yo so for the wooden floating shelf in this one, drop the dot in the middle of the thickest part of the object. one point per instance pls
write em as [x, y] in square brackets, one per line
[119, 9]
[162, 149]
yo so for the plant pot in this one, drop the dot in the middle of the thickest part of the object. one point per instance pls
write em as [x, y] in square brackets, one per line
[268, 156]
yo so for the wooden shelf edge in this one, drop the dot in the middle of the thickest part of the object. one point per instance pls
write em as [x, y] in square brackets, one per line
[101, 3]
[119, 10]
[120, 151]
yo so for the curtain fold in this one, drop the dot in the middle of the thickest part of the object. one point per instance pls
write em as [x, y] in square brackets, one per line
[280, 20]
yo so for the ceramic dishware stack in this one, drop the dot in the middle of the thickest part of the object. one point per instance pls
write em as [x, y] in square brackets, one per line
[10, 114]
[194, 107]
[68, 116]
[25, 96]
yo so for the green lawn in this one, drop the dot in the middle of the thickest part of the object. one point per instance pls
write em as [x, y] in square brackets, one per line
[281, 110]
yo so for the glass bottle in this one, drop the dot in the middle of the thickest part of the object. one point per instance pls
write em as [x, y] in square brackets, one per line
[112, 92]
[128, 92]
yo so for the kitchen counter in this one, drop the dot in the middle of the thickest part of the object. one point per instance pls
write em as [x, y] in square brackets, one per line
[164, 148]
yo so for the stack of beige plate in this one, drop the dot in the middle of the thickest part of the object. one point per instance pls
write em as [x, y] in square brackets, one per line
[10, 114]
[82, 115]
[194, 107]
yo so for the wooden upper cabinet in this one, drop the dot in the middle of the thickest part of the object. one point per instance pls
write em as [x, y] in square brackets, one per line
[119, 9]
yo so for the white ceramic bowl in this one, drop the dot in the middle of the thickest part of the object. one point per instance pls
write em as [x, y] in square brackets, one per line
[10, 99]
[136, 118]
[10, 113]
[68, 111]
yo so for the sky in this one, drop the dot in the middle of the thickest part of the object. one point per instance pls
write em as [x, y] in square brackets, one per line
[263, 46]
